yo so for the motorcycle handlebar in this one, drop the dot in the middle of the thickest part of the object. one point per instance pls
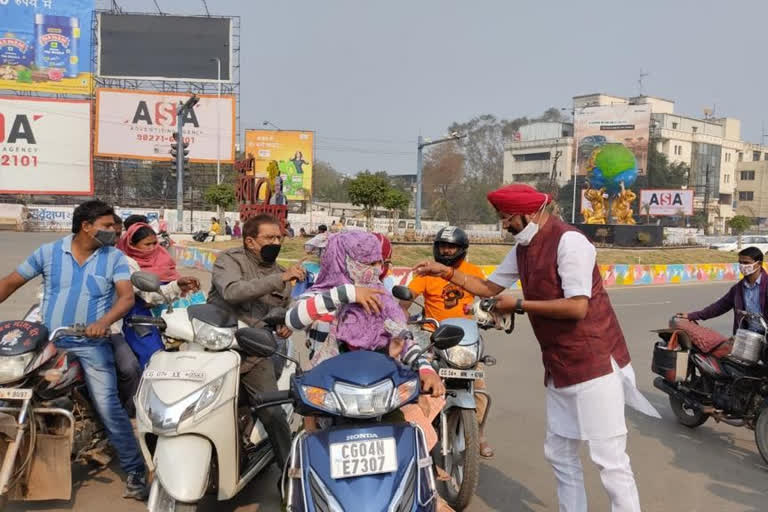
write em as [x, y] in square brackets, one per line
[272, 398]
[146, 320]
[75, 330]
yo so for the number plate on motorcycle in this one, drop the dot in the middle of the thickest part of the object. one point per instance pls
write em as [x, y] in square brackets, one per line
[195, 375]
[358, 458]
[452, 373]
[15, 394]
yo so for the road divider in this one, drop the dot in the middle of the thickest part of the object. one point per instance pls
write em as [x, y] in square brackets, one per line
[613, 275]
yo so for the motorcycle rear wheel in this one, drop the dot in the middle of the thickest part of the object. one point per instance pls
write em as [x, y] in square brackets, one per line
[687, 416]
[761, 433]
[463, 467]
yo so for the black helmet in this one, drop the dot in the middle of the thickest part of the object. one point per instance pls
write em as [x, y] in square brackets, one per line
[454, 236]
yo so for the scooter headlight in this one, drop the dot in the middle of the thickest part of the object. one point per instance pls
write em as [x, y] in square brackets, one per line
[462, 356]
[367, 402]
[12, 367]
[211, 337]
[167, 417]
[405, 393]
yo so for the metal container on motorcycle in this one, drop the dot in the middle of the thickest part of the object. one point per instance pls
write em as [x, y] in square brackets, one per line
[385, 463]
[747, 346]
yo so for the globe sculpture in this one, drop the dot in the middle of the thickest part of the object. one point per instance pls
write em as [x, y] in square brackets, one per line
[611, 170]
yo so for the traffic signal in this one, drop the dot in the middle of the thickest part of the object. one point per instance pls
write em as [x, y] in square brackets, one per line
[177, 152]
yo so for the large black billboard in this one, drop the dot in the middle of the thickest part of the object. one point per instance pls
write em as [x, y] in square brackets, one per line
[164, 47]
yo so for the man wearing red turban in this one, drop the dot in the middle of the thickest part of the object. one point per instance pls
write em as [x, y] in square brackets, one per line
[588, 374]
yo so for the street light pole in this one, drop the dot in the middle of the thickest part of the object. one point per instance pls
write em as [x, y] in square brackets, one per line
[218, 128]
[420, 145]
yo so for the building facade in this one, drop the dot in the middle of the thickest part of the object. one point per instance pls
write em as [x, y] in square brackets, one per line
[539, 148]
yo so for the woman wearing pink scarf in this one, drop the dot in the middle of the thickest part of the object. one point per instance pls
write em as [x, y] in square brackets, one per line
[144, 253]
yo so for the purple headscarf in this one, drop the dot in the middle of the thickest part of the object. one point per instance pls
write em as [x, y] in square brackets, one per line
[354, 326]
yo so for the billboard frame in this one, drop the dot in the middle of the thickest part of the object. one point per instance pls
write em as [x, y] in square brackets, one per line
[223, 159]
[90, 151]
[685, 214]
[97, 43]
[314, 151]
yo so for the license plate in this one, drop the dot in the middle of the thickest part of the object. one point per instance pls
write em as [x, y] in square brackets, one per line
[452, 373]
[15, 394]
[195, 375]
[358, 458]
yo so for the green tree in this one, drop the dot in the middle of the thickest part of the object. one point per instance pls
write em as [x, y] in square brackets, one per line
[661, 173]
[739, 224]
[368, 190]
[222, 196]
[396, 202]
[328, 183]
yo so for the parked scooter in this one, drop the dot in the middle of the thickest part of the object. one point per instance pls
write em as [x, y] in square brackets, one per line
[458, 448]
[46, 419]
[367, 460]
[189, 408]
[732, 389]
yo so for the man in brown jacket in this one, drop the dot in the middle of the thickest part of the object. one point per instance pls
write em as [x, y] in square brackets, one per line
[248, 282]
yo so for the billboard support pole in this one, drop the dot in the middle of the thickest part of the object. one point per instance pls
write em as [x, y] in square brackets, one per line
[179, 171]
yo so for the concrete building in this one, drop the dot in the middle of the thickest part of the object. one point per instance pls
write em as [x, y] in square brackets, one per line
[752, 185]
[537, 148]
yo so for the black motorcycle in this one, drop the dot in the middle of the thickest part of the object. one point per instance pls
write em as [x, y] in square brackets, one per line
[732, 389]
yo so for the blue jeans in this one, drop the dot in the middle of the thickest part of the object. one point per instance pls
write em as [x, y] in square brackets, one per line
[98, 362]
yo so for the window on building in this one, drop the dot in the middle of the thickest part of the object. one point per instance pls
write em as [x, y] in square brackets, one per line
[726, 178]
[741, 156]
[755, 156]
[674, 126]
[765, 156]
[746, 196]
[727, 157]
[747, 175]
[529, 157]
[695, 129]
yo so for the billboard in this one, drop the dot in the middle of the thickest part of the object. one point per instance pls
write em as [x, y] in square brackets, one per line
[164, 47]
[666, 202]
[45, 146]
[140, 124]
[45, 46]
[293, 152]
[625, 124]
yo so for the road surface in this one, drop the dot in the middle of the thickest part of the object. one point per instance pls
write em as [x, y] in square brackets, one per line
[714, 468]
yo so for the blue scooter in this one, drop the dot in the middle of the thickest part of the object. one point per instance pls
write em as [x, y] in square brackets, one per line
[366, 460]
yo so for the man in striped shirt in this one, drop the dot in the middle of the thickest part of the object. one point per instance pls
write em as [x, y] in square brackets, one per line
[87, 281]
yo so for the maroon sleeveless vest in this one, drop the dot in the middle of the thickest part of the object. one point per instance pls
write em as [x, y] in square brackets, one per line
[573, 351]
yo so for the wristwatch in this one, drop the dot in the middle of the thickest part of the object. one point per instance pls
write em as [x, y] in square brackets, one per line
[519, 307]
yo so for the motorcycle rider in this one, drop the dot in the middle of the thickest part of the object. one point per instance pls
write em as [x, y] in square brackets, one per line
[82, 274]
[248, 282]
[443, 299]
[588, 374]
[746, 295]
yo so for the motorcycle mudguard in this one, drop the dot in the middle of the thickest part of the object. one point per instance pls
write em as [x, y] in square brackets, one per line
[184, 481]
[461, 398]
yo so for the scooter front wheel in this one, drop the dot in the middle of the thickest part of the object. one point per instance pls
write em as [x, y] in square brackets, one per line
[161, 501]
[463, 460]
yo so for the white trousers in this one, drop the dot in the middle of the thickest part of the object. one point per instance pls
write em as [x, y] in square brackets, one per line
[615, 472]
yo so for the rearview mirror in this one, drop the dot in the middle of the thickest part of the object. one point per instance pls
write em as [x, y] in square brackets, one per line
[447, 336]
[274, 317]
[145, 281]
[256, 341]
[402, 292]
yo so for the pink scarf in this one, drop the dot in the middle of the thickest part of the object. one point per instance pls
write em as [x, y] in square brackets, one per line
[156, 261]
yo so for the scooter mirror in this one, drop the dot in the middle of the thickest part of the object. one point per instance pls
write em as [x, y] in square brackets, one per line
[447, 336]
[402, 292]
[145, 281]
[275, 317]
[256, 341]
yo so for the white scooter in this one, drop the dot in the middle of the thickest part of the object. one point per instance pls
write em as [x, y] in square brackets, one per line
[194, 432]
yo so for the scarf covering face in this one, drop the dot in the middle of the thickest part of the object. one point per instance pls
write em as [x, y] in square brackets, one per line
[518, 199]
[156, 261]
[349, 259]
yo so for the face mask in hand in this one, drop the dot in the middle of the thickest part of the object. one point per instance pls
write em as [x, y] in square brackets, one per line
[105, 238]
[525, 236]
[269, 252]
[747, 269]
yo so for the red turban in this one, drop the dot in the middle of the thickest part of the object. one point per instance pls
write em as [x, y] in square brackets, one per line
[518, 199]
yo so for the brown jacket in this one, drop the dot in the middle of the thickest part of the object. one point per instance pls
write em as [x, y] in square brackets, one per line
[573, 351]
[247, 286]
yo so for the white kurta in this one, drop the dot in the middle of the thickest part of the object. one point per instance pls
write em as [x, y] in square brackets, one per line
[593, 409]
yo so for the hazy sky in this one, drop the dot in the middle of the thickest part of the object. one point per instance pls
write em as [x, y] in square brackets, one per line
[369, 76]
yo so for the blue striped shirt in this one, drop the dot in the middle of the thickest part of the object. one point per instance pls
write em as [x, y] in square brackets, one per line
[75, 294]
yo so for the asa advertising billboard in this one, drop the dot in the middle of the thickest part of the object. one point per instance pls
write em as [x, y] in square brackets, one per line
[140, 124]
[45, 46]
[624, 124]
[165, 47]
[666, 202]
[291, 150]
[45, 146]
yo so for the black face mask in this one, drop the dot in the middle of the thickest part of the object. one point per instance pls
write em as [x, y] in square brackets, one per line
[105, 238]
[269, 252]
